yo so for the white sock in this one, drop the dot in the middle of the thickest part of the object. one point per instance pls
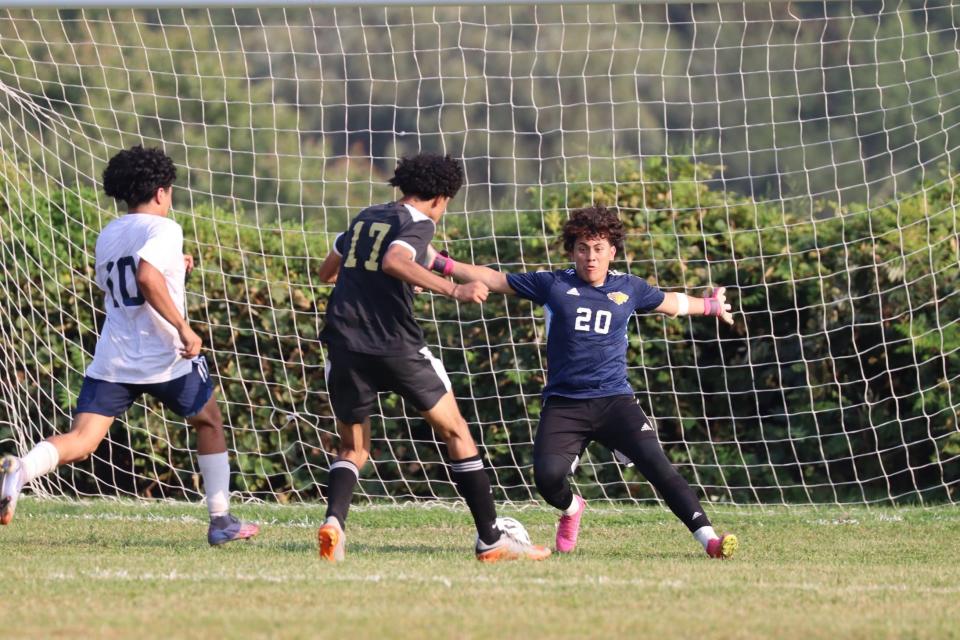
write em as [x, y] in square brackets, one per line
[705, 535]
[41, 460]
[573, 508]
[215, 469]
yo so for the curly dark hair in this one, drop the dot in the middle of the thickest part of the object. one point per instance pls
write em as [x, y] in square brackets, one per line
[428, 175]
[593, 222]
[135, 174]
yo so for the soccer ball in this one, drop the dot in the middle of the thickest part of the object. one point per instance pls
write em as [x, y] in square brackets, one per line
[514, 529]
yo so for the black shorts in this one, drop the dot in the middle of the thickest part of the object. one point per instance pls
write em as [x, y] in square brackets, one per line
[568, 425]
[185, 396]
[354, 379]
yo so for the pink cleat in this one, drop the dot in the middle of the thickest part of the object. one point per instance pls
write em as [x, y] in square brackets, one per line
[569, 527]
[723, 547]
[227, 528]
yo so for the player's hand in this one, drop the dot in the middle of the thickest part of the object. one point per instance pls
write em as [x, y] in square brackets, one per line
[191, 342]
[188, 263]
[471, 292]
[417, 290]
[720, 295]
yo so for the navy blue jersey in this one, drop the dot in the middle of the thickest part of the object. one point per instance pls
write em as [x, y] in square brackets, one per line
[370, 311]
[586, 328]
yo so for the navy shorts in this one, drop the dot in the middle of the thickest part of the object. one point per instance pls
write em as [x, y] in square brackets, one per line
[185, 396]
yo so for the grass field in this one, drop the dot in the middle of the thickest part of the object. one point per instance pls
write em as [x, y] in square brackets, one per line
[117, 570]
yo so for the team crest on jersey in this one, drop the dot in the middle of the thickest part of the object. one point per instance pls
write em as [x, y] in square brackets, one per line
[618, 297]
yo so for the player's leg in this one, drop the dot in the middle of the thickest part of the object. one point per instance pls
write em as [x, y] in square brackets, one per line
[466, 466]
[86, 433]
[352, 454]
[473, 483]
[97, 406]
[191, 396]
[628, 430]
[422, 380]
[564, 431]
[351, 384]
[215, 470]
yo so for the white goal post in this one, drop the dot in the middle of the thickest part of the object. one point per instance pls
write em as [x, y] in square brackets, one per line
[803, 154]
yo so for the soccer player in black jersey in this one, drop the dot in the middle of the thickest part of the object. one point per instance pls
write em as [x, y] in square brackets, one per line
[587, 396]
[374, 344]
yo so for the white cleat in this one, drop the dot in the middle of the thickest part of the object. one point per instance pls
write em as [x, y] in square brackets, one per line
[11, 483]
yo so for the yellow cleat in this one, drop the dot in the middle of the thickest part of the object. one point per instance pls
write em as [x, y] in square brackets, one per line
[723, 547]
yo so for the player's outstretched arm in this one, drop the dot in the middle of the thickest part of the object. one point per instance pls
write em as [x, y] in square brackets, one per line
[399, 263]
[495, 280]
[153, 286]
[680, 304]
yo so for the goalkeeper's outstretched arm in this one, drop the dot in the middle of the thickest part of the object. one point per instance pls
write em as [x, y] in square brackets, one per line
[680, 304]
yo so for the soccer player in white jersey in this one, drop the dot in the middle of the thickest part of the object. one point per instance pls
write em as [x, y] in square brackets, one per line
[587, 396]
[146, 345]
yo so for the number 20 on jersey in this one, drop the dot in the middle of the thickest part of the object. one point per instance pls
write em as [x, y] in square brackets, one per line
[600, 320]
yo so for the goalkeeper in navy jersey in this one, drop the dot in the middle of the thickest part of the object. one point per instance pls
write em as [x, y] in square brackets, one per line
[374, 344]
[587, 396]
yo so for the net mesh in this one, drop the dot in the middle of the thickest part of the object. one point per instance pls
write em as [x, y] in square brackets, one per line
[802, 154]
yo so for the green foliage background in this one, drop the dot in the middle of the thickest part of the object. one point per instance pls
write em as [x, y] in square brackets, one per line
[800, 154]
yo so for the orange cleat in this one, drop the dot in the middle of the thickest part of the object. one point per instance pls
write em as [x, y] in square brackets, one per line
[514, 544]
[332, 540]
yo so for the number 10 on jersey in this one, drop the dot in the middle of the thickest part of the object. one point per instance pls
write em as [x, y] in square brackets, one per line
[127, 274]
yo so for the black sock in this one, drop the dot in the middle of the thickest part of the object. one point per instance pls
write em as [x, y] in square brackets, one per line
[473, 483]
[340, 483]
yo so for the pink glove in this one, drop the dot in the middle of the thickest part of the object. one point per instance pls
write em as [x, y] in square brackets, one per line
[712, 305]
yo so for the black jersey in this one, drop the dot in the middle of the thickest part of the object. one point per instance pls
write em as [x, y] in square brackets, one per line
[370, 311]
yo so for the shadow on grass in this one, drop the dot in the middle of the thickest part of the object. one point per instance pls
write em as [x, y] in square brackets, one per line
[310, 546]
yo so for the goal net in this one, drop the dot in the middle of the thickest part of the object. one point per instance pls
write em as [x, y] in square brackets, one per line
[803, 154]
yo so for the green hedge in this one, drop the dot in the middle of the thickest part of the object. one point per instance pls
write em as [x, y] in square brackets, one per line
[837, 383]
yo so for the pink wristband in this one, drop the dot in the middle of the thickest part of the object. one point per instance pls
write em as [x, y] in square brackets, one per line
[712, 307]
[443, 264]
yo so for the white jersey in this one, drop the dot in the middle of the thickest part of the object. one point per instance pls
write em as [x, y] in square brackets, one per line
[137, 345]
